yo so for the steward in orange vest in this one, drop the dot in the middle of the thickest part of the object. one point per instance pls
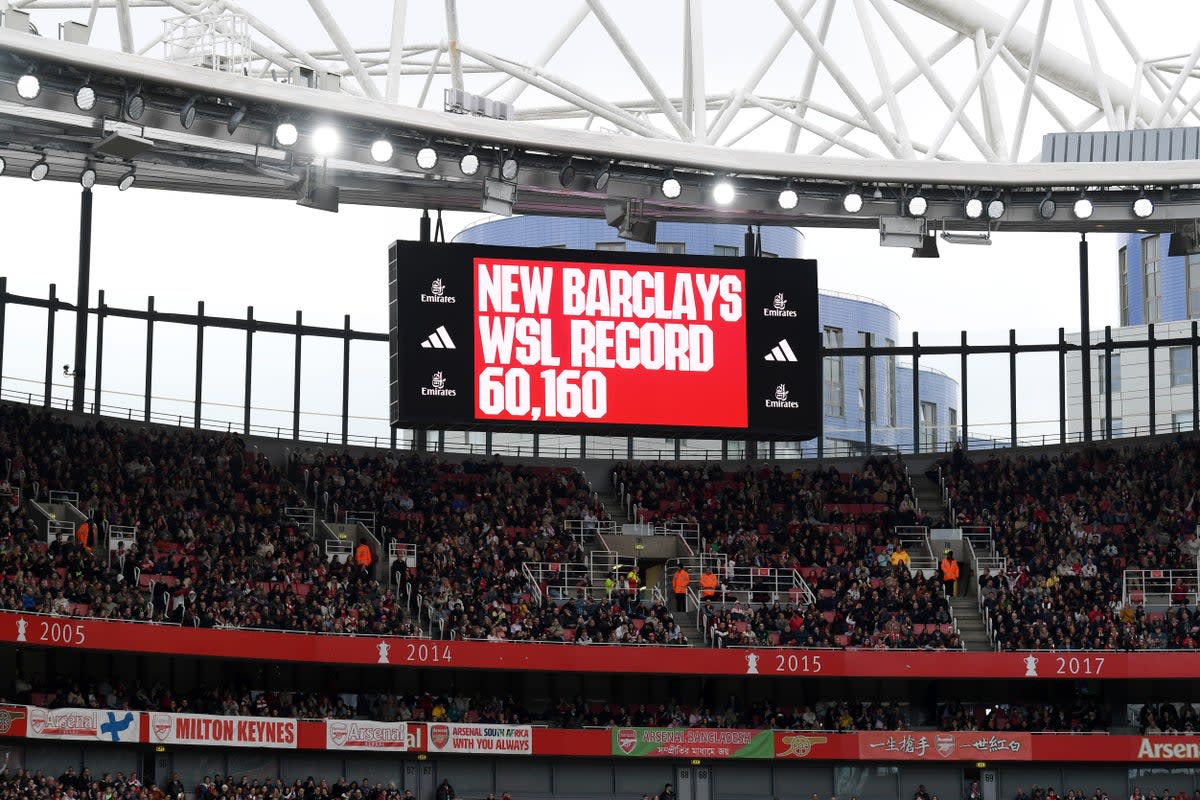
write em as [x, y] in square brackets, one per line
[680, 583]
[949, 569]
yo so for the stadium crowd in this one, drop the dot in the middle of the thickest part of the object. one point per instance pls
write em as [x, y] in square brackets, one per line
[1168, 718]
[215, 547]
[1084, 715]
[829, 715]
[835, 528]
[22, 784]
[1069, 525]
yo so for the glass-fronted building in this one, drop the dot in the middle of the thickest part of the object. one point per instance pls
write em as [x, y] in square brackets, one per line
[845, 320]
[1154, 289]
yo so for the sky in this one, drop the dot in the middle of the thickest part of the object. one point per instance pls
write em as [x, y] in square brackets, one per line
[278, 257]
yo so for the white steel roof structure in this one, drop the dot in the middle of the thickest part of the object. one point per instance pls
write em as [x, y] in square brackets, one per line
[948, 99]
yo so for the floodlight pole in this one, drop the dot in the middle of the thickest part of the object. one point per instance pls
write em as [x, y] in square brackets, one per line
[420, 435]
[1085, 337]
[81, 299]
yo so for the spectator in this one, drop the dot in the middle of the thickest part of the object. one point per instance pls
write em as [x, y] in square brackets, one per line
[679, 583]
[949, 572]
[445, 791]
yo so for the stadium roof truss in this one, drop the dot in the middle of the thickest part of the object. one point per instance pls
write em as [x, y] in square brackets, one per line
[840, 129]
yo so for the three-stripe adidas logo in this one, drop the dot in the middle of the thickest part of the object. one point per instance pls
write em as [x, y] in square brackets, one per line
[781, 352]
[440, 340]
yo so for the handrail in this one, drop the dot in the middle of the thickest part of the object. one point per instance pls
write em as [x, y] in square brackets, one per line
[339, 551]
[1156, 587]
[832, 449]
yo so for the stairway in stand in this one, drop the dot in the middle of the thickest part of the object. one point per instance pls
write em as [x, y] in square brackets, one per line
[970, 624]
[612, 505]
[929, 499]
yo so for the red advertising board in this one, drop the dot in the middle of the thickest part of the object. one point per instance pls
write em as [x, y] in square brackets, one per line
[13, 720]
[610, 344]
[943, 746]
[114, 636]
[519, 740]
[225, 731]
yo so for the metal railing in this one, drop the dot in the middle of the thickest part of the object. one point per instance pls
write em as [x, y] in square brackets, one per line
[947, 497]
[975, 559]
[604, 563]
[1160, 588]
[340, 552]
[365, 518]
[121, 537]
[557, 580]
[756, 585]
[402, 551]
[58, 530]
[63, 497]
[915, 539]
[302, 517]
[583, 529]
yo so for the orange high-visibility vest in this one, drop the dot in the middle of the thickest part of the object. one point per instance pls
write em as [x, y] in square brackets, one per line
[681, 581]
[949, 570]
[708, 584]
[362, 555]
[82, 533]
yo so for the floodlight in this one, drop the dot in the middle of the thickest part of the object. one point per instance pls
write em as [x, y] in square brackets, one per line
[917, 205]
[87, 178]
[995, 208]
[28, 86]
[40, 169]
[469, 164]
[509, 168]
[382, 150]
[126, 180]
[427, 157]
[788, 199]
[498, 197]
[671, 187]
[852, 202]
[723, 192]
[600, 182]
[3, 164]
[187, 113]
[984, 238]
[566, 175]
[1047, 207]
[1083, 208]
[1143, 207]
[85, 98]
[286, 134]
[135, 105]
[234, 121]
[325, 140]
[973, 208]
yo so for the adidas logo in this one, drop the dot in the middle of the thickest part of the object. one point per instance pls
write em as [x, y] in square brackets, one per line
[781, 352]
[440, 340]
